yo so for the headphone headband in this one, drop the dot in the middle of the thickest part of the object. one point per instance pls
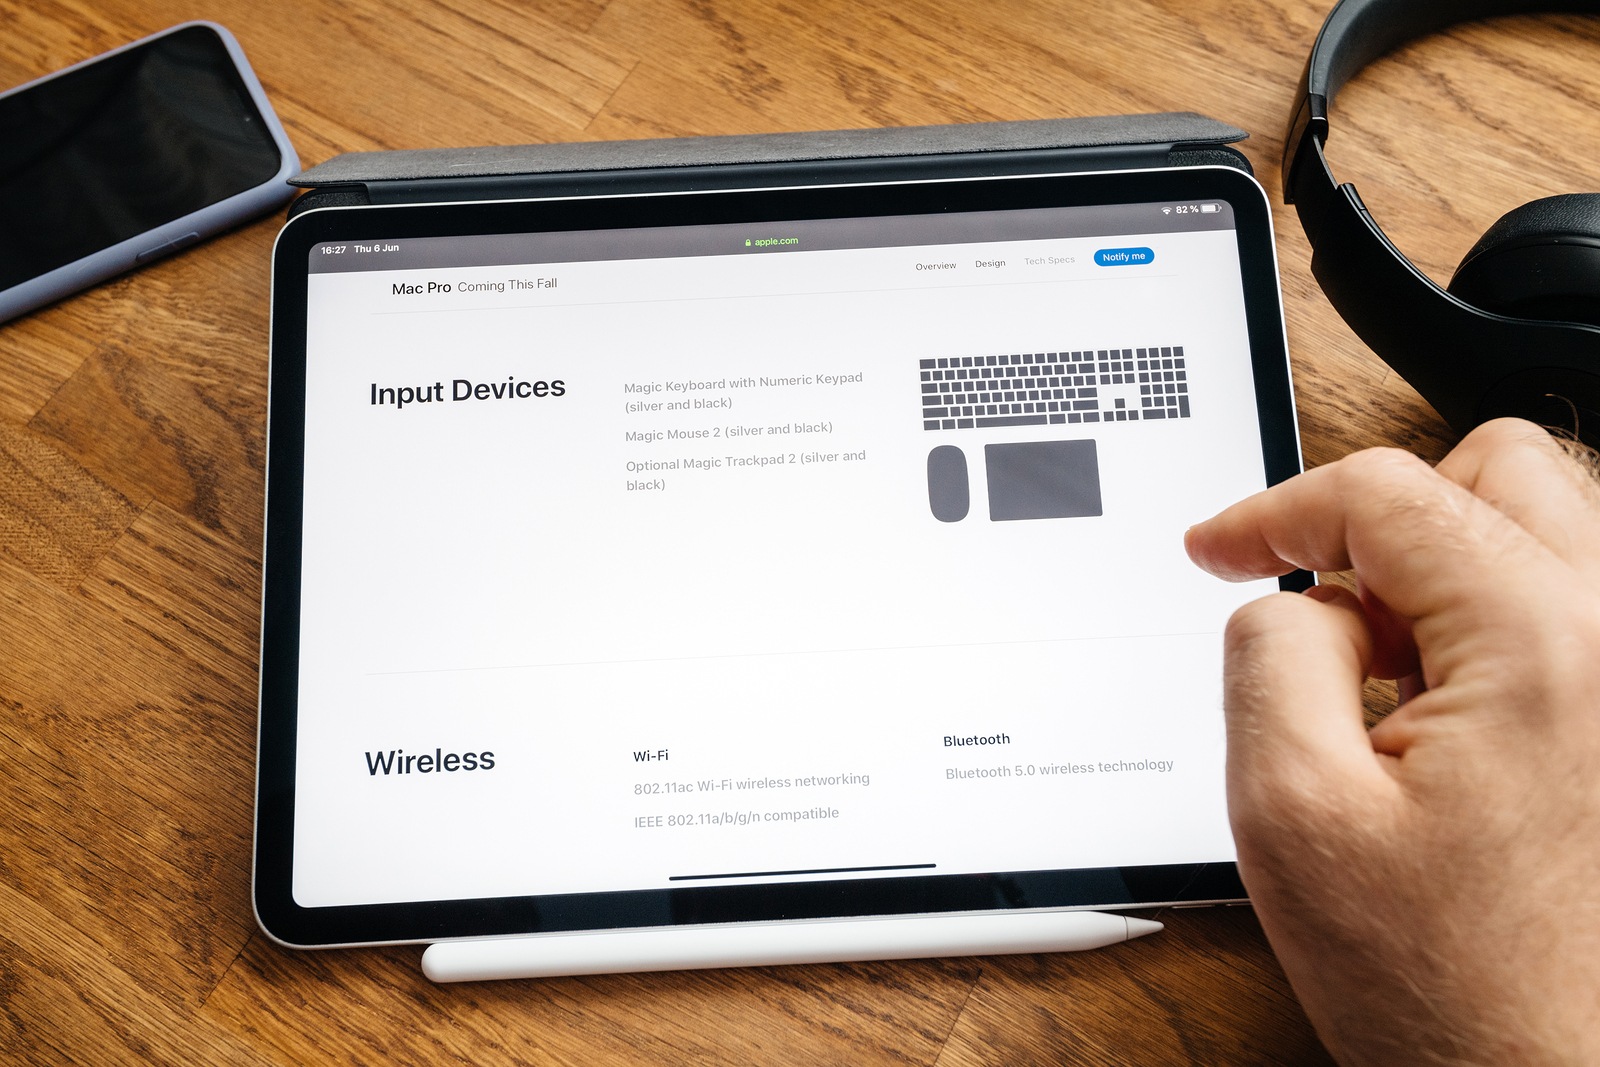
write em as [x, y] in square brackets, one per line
[1470, 364]
[1357, 32]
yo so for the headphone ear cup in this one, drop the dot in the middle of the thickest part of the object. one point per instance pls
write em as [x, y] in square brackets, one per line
[1540, 261]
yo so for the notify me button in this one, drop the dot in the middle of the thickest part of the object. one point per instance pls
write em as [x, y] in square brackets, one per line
[1123, 257]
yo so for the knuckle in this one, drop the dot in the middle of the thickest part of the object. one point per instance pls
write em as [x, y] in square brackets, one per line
[1258, 620]
[1380, 465]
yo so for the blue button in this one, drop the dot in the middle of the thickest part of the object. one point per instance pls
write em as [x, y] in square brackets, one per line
[1123, 257]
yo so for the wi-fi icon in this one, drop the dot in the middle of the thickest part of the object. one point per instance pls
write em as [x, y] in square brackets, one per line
[1166, 211]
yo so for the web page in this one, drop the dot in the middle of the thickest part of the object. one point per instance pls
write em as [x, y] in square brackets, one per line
[801, 554]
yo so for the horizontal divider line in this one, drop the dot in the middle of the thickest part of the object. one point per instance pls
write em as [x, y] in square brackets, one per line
[816, 870]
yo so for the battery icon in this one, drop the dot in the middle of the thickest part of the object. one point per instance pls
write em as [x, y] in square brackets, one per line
[1210, 209]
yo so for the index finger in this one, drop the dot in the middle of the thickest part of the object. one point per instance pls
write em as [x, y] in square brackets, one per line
[1419, 542]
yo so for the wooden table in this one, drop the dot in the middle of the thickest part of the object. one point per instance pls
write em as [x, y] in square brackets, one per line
[131, 460]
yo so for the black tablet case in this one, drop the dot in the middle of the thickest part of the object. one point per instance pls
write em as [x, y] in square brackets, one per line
[594, 168]
[1044, 146]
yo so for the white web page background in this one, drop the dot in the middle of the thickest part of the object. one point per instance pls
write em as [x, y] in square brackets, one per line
[479, 577]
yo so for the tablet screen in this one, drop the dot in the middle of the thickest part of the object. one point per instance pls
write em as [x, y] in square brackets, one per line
[707, 557]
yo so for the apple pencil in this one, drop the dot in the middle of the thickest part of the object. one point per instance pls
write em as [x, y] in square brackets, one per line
[768, 944]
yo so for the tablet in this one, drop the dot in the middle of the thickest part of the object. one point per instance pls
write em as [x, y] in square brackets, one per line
[746, 557]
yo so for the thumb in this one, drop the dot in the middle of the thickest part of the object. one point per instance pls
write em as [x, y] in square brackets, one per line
[1294, 668]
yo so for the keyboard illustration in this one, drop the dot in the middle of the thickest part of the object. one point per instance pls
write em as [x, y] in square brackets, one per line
[1054, 388]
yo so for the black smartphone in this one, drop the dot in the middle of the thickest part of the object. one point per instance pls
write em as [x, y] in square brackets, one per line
[129, 156]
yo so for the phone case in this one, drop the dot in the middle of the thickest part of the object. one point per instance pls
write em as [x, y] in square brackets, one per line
[175, 233]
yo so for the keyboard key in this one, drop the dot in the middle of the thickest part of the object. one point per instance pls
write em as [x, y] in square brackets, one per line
[1012, 420]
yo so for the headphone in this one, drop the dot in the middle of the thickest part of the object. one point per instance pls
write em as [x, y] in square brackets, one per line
[1517, 331]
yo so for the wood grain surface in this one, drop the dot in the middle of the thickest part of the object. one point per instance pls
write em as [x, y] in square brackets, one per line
[132, 423]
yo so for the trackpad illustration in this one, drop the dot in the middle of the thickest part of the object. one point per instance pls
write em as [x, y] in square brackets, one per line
[1042, 479]
[948, 493]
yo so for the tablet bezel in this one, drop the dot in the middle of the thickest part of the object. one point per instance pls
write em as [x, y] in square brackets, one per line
[290, 923]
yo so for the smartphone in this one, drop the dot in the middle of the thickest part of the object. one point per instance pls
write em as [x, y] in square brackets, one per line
[130, 156]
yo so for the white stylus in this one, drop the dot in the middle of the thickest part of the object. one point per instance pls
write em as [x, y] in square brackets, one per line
[767, 944]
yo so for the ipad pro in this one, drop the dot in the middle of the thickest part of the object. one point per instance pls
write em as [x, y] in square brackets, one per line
[749, 557]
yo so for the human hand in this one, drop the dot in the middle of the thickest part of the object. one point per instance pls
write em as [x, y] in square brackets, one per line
[1431, 887]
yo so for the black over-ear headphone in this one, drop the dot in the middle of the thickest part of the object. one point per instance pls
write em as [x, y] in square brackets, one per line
[1518, 330]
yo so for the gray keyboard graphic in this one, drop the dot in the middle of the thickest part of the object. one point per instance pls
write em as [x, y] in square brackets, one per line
[1054, 388]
